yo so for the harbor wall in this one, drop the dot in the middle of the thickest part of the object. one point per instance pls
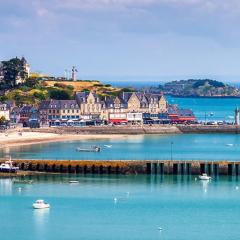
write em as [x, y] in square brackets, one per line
[160, 167]
[146, 129]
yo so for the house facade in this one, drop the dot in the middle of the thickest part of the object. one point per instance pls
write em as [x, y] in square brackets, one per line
[57, 112]
[4, 111]
[128, 104]
[90, 104]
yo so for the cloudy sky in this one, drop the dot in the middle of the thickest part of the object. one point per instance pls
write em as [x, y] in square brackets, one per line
[124, 37]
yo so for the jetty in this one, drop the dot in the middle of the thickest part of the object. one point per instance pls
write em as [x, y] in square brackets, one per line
[157, 167]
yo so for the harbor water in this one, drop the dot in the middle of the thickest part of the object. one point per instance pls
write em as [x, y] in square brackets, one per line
[120, 208]
[140, 147]
[209, 109]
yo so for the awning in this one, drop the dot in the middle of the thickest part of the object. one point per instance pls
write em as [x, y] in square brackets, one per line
[118, 120]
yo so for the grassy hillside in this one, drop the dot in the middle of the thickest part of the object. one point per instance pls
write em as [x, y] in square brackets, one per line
[78, 86]
[35, 90]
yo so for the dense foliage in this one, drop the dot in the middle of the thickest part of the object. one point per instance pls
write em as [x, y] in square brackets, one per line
[12, 70]
[199, 88]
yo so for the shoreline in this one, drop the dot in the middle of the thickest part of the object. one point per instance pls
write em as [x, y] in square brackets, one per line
[12, 138]
[31, 138]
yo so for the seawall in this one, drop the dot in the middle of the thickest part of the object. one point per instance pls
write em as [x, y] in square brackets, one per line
[160, 167]
[147, 129]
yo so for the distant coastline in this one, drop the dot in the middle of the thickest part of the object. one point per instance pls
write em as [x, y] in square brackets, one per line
[196, 96]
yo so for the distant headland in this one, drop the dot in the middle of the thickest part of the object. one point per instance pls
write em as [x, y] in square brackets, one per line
[199, 88]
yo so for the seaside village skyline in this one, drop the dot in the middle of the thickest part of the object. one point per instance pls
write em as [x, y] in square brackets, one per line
[119, 120]
[89, 108]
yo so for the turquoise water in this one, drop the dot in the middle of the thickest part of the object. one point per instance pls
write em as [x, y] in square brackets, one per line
[183, 147]
[215, 109]
[186, 209]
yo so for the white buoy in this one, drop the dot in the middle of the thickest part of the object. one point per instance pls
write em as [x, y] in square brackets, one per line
[19, 189]
[237, 188]
[115, 200]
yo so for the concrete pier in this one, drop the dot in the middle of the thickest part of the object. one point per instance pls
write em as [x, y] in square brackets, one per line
[156, 167]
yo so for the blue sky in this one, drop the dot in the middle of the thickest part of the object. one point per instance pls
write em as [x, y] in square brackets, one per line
[115, 38]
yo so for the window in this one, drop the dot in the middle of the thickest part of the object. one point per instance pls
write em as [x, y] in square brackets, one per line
[72, 111]
[68, 111]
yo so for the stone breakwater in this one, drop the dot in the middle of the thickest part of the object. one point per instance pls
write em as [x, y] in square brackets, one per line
[131, 130]
[157, 167]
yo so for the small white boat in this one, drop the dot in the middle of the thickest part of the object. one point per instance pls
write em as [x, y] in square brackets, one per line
[40, 204]
[108, 146]
[73, 181]
[8, 167]
[229, 144]
[204, 176]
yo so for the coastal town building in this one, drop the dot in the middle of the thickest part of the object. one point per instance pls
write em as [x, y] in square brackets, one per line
[59, 112]
[4, 111]
[91, 107]
[15, 115]
[27, 113]
[177, 115]
[131, 103]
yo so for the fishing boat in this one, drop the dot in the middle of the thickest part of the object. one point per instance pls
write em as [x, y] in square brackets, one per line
[89, 149]
[204, 176]
[8, 167]
[40, 204]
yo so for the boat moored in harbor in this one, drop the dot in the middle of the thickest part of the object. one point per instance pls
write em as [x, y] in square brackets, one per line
[40, 204]
[204, 176]
[89, 149]
[8, 167]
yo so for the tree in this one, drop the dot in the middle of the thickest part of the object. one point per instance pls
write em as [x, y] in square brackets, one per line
[12, 70]
[59, 94]
[2, 119]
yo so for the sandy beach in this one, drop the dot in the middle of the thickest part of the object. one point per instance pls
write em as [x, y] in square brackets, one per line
[26, 138]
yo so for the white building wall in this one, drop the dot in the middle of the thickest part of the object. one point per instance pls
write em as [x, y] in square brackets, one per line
[134, 117]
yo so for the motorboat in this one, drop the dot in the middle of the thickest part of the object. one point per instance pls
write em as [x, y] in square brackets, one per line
[40, 204]
[22, 181]
[108, 146]
[229, 144]
[8, 167]
[89, 149]
[73, 181]
[204, 176]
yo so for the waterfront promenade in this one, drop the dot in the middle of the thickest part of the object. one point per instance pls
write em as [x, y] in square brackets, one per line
[141, 129]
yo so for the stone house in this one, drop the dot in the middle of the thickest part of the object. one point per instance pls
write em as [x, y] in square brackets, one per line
[59, 111]
[90, 104]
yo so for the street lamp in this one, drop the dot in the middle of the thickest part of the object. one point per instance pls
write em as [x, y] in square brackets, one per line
[171, 150]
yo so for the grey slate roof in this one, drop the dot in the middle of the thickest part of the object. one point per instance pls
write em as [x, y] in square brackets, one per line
[59, 104]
